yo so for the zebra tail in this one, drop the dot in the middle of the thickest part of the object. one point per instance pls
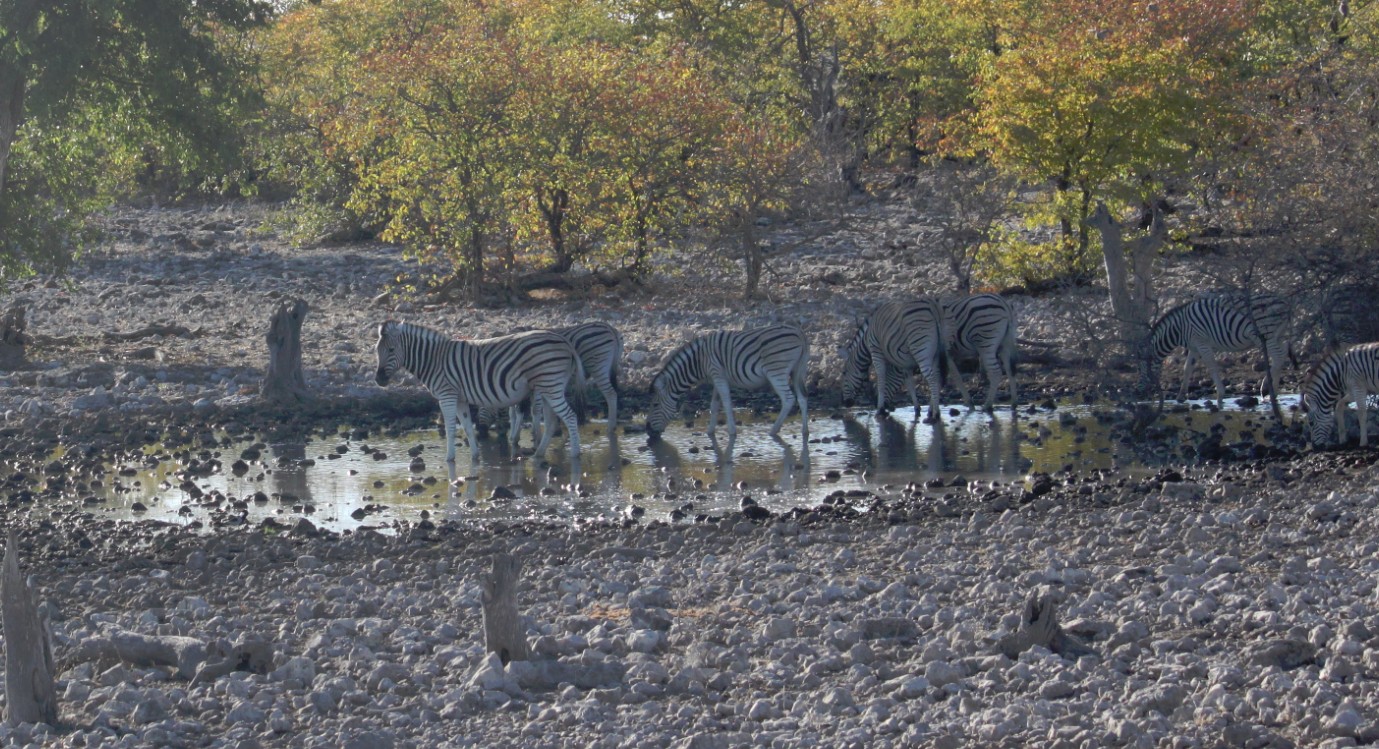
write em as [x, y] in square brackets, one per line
[942, 362]
[1012, 349]
[579, 390]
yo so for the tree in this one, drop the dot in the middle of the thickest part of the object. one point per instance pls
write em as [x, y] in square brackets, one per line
[1120, 99]
[87, 86]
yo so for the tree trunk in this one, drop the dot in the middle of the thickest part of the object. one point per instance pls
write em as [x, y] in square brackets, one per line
[503, 630]
[284, 380]
[751, 256]
[13, 339]
[1039, 626]
[1131, 308]
[13, 88]
[30, 694]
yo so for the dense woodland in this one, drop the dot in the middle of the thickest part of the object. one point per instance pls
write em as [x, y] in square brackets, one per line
[528, 143]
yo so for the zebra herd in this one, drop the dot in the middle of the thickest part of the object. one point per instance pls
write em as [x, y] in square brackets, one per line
[896, 341]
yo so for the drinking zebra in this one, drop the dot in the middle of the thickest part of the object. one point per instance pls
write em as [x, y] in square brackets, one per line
[495, 372]
[1220, 323]
[903, 336]
[599, 346]
[983, 326]
[776, 355]
[1340, 378]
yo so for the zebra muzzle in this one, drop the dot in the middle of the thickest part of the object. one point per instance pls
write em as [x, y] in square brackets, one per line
[381, 378]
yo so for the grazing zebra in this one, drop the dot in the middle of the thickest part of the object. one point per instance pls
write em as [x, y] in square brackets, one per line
[495, 372]
[1220, 323]
[599, 346]
[899, 336]
[1340, 378]
[776, 355]
[983, 326]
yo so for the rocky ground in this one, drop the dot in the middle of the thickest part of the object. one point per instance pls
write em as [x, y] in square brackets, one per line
[1219, 604]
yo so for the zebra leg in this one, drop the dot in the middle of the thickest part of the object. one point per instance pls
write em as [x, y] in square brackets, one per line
[1362, 410]
[1187, 373]
[1008, 366]
[1275, 353]
[540, 420]
[957, 377]
[1215, 368]
[1342, 405]
[798, 384]
[558, 408]
[932, 376]
[787, 402]
[992, 367]
[514, 424]
[878, 363]
[610, 397]
[720, 386]
[448, 415]
[468, 424]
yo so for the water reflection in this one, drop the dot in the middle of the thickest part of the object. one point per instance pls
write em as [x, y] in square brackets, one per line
[403, 476]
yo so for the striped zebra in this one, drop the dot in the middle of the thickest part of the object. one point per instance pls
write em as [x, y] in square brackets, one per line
[983, 326]
[1220, 323]
[599, 346]
[898, 337]
[495, 372]
[1341, 378]
[776, 355]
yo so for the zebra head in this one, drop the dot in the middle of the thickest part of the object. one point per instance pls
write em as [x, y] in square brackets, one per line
[663, 407]
[389, 351]
[1321, 419]
[856, 368]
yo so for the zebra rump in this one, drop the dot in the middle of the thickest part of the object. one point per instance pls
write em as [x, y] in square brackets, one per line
[983, 326]
[904, 336]
[599, 346]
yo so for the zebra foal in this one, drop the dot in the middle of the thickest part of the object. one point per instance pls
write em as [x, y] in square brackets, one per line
[983, 326]
[1222, 323]
[898, 337]
[1340, 378]
[492, 373]
[775, 356]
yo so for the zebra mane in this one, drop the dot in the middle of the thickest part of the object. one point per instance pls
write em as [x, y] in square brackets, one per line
[414, 330]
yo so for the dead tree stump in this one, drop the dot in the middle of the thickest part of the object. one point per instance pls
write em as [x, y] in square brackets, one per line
[30, 694]
[1039, 626]
[503, 630]
[13, 339]
[284, 380]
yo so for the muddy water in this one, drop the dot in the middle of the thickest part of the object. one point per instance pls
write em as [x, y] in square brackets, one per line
[341, 483]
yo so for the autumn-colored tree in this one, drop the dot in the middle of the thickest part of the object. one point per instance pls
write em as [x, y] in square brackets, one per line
[1096, 97]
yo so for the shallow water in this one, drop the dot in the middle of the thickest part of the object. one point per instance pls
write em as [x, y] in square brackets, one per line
[341, 484]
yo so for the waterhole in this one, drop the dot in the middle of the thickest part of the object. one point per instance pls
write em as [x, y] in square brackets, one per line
[341, 484]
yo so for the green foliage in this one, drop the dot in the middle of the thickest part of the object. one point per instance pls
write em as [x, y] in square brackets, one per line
[98, 97]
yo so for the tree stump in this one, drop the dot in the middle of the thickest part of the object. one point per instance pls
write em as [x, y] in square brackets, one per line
[13, 339]
[503, 630]
[1039, 626]
[30, 694]
[284, 380]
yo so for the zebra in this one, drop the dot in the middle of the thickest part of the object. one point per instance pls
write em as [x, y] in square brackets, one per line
[903, 336]
[1342, 377]
[599, 346]
[1219, 323]
[983, 326]
[776, 355]
[494, 372]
